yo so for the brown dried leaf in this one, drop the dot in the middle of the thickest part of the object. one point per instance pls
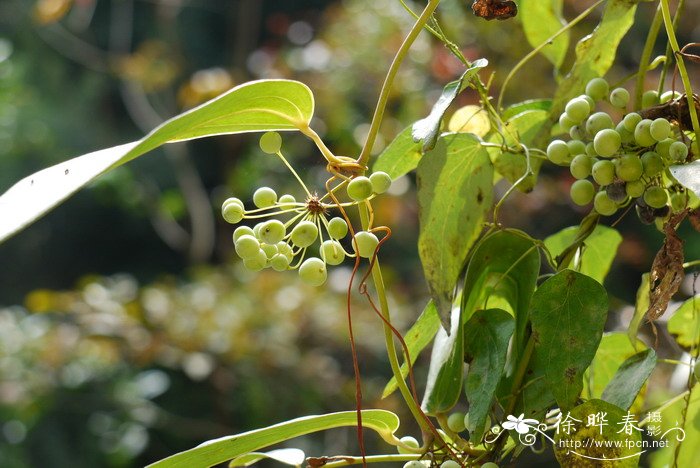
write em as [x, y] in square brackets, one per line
[694, 218]
[494, 9]
[675, 110]
[667, 270]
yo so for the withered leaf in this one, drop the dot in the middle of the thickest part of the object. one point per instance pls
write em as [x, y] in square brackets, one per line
[667, 270]
[494, 9]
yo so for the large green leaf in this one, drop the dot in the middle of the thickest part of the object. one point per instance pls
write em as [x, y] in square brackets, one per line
[688, 175]
[523, 127]
[595, 53]
[613, 350]
[568, 313]
[427, 130]
[530, 104]
[502, 272]
[598, 251]
[685, 324]
[417, 338]
[401, 156]
[629, 379]
[216, 451]
[454, 194]
[672, 419]
[541, 20]
[251, 107]
[444, 382]
[486, 337]
[587, 444]
[288, 456]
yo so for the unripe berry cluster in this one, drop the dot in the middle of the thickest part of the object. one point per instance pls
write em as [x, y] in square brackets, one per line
[303, 228]
[627, 161]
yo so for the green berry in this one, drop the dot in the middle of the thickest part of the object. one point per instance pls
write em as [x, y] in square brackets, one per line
[607, 142]
[663, 147]
[650, 98]
[381, 181]
[678, 201]
[578, 109]
[597, 122]
[285, 249]
[626, 136]
[678, 151]
[269, 249]
[242, 230]
[597, 88]
[603, 172]
[668, 96]
[365, 243]
[576, 132]
[287, 199]
[279, 262]
[558, 153]
[635, 188]
[576, 147]
[450, 464]
[590, 150]
[660, 129]
[619, 97]
[264, 197]
[581, 166]
[629, 167]
[360, 188]
[271, 232]
[655, 197]
[247, 246]
[337, 228]
[313, 271]
[235, 200]
[332, 252]
[270, 142]
[455, 422]
[582, 192]
[489, 465]
[256, 262]
[566, 122]
[232, 212]
[589, 100]
[304, 234]
[603, 204]
[642, 133]
[652, 163]
[411, 442]
[631, 120]
[413, 464]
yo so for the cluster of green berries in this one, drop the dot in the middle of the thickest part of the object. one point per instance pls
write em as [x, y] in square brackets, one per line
[304, 228]
[627, 161]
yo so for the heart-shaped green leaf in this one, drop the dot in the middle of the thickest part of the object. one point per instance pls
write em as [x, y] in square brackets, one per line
[629, 379]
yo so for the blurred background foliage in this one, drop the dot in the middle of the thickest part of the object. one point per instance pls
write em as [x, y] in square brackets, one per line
[127, 330]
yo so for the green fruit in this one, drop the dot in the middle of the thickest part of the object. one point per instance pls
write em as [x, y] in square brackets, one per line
[270, 250]
[489, 465]
[669, 95]
[635, 188]
[626, 136]
[455, 422]
[607, 142]
[285, 249]
[256, 262]
[365, 243]
[590, 150]
[629, 167]
[411, 442]
[304, 234]
[660, 129]
[582, 192]
[381, 181]
[264, 197]
[603, 172]
[631, 120]
[663, 147]
[576, 147]
[597, 122]
[337, 228]
[287, 199]
[279, 262]
[232, 212]
[271, 232]
[655, 196]
[558, 153]
[581, 166]
[603, 204]
[597, 88]
[566, 122]
[313, 271]
[413, 464]
[677, 151]
[247, 246]
[235, 200]
[678, 201]
[242, 230]
[578, 109]
[332, 252]
[360, 188]
[270, 142]
[589, 100]
[650, 98]
[577, 133]
[652, 163]
[450, 464]
[619, 97]
[642, 133]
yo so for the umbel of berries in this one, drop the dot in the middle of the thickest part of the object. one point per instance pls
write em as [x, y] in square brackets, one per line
[623, 163]
[307, 236]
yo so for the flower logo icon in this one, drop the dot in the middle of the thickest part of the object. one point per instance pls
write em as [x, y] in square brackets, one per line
[520, 424]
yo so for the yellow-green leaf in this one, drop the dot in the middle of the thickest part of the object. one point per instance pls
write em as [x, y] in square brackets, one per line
[542, 19]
